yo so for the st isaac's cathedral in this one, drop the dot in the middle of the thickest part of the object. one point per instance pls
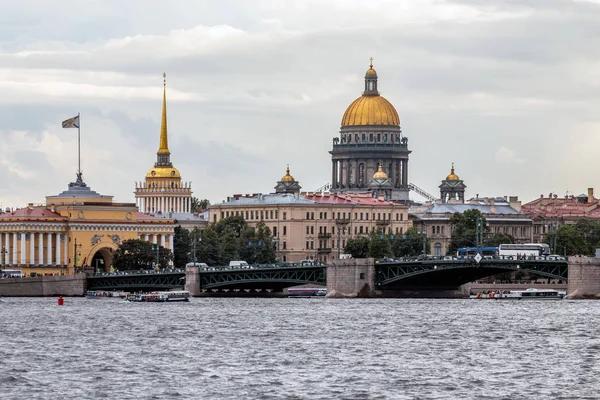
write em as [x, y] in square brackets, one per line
[371, 154]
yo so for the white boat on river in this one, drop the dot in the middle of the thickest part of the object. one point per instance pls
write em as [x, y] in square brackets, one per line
[529, 294]
[160, 297]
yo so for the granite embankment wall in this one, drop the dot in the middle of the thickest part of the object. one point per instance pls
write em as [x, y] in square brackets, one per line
[351, 278]
[584, 278]
[63, 285]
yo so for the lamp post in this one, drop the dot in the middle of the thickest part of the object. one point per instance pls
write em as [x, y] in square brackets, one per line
[76, 255]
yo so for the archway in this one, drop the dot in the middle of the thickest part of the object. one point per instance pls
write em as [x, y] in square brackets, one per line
[102, 260]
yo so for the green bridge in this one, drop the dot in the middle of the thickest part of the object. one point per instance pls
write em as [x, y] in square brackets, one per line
[389, 275]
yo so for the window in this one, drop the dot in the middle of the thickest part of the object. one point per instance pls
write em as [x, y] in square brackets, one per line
[262, 214]
[312, 230]
[284, 215]
[321, 215]
[333, 230]
[361, 216]
[284, 247]
[215, 218]
[325, 216]
[275, 231]
[312, 244]
[284, 258]
[355, 230]
[367, 229]
[401, 217]
[378, 216]
[284, 230]
[438, 249]
[312, 215]
[307, 229]
[276, 214]
[247, 215]
[271, 214]
[307, 244]
[222, 214]
[361, 229]
[397, 216]
[307, 215]
[320, 229]
[252, 214]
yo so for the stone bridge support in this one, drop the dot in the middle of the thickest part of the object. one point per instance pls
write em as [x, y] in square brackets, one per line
[192, 280]
[351, 278]
[584, 278]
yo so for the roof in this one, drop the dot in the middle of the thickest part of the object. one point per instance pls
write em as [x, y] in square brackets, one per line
[31, 212]
[175, 216]
[486, 209]
[265, 199]
[570, 207]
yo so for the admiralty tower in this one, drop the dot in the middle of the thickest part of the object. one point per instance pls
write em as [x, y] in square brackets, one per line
[163, 192]
[370, 135]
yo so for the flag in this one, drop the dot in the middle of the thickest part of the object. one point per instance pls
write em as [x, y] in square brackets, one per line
[71, 123]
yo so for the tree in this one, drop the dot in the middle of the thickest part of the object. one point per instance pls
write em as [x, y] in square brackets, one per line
[209, 246]
[266, 245]
[358, 248]
[228, 245]
[182, 247]
[379, 246]
[464, 228]
[409, 244]
[570, 240]
[134, 254]
[236, 222]
[199, 205]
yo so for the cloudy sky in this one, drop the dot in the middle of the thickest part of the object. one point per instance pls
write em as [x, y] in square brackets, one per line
[508, 90]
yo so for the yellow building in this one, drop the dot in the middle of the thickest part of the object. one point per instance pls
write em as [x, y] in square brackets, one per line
[43, 239]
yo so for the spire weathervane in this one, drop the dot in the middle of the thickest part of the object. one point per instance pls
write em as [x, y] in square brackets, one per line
[371, 65]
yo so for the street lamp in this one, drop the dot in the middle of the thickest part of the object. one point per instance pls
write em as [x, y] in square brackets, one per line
[76, 255]
[2, 253]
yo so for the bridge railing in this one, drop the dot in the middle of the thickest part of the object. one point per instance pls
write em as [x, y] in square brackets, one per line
[470, 258]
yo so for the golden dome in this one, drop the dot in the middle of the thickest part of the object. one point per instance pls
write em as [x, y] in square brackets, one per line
[380, 174]
[371, 72]
[287, 177]
[163, 172]
[452, 176]
[370, 110]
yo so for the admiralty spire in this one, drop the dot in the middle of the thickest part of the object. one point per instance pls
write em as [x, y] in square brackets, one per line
[163, 191]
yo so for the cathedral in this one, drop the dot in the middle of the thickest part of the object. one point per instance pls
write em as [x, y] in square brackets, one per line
[371, 154]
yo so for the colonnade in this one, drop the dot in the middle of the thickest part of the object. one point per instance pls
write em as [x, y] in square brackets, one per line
[164, 204]
[33, 248]
[357, 172]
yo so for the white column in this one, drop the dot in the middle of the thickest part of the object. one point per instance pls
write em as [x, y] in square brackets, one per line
[147, 237]
[155, 238]
[49, 249]
[7, 249]
[40, 248]
[66, 255]
[23, 249]
[58, 260]
[32, 248]
[15, 249]
[162, 240]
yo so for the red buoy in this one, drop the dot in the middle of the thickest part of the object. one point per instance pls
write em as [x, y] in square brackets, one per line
[61, 301]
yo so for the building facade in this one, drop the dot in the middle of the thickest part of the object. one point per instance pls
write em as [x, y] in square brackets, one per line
[75, 230]
[315, 226]
[550, 212]
[370, 136]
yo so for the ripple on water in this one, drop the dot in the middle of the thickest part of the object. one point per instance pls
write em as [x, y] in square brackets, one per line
[287, 349]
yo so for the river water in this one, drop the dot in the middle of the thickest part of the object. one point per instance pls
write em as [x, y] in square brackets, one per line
[311, 348]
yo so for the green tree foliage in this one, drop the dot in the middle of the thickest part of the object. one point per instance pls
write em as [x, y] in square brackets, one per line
[235, 222]
[581, 238]
[228, 245]
[209, 246]
[410, 244]
[182, 245]
[134, 254]
[497, 239]
[199, 205]
[358, 248]
[379, 246]
[464, 228]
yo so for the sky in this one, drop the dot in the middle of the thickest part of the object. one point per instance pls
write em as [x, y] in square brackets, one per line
[507, 90]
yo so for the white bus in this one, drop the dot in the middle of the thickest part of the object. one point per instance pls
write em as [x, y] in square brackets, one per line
[11, 273]
[526, 249]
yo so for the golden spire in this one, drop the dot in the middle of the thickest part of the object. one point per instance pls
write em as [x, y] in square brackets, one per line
[164, 140]
[452, 176]
[371, 65]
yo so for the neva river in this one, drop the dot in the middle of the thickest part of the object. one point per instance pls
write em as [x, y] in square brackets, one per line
[311, 348]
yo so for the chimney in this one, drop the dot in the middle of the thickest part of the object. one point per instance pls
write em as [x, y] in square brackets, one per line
[590, 195]
[52, 207]
[30, 205]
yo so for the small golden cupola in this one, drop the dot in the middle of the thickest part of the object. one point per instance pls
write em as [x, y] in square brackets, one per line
[287, 177]
[380, 174]
[452, 176]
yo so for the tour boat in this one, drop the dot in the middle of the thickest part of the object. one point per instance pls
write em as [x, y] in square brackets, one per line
[307, 292]
[529, 294]
[160, 297]
[98, 294]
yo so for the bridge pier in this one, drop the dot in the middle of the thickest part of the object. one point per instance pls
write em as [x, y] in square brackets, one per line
[351, 278]
[192, 280]
[584, 278]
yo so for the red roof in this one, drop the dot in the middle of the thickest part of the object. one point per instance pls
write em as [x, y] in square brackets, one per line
[570, 207]
[31, 212]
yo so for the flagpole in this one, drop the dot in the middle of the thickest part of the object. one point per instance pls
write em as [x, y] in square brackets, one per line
[78, 144]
